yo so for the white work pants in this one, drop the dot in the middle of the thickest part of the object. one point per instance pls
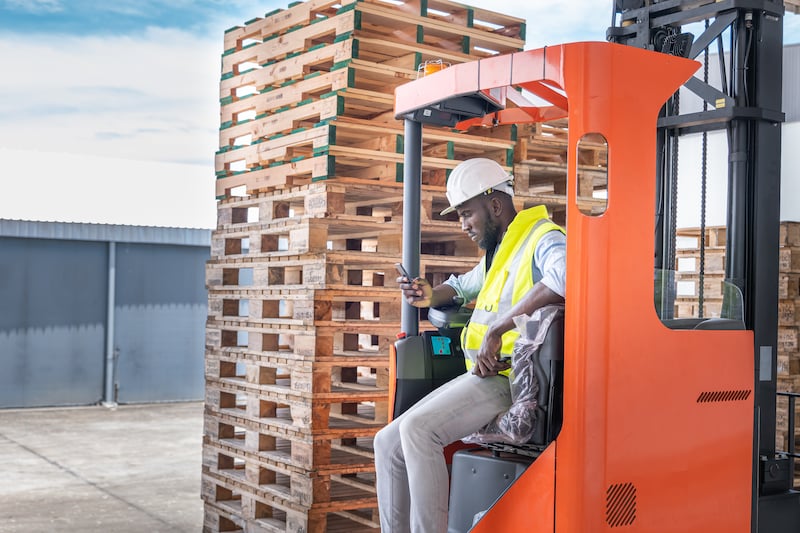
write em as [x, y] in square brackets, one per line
[412, 478]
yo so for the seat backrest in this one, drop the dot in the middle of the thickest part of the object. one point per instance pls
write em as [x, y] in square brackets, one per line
[549, 371]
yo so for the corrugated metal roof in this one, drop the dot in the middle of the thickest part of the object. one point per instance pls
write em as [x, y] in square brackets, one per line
[104, 232]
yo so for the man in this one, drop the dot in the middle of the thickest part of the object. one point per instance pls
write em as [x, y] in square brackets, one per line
[523, 269]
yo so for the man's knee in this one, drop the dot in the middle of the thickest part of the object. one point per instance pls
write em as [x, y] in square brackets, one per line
[385, 439]
[414, 428]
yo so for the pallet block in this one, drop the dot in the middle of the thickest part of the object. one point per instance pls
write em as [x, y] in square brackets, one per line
[788, 285]
[789, 259]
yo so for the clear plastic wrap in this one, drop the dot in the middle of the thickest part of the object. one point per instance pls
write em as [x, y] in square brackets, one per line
[518, 424]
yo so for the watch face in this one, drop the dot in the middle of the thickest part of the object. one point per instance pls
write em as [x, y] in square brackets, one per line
[440, 345]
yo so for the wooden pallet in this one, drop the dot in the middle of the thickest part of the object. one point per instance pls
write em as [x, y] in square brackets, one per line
[789, 312]
[358, 138]
[714, 237]
[787, 340]
[306, 13]
[280, 20]
[788, 285]
[689, 263]
[321, 59]
[789, 259]
[323, 270]
[301, 342]
[347, 148]
[340, 445]
[229, 505]
[280, 45]
[367, 86]
[445, 25]
[291, 93]
[383, 20]
[338, 449]
[376, 202]
[689, 285]
[284, 484]
[788, 364]
[342, 412]
[790, 234]
[305, 307]
[345, 378]
[337, 232]
[690, 308]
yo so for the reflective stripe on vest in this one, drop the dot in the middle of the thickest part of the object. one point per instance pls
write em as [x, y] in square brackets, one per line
[497, 295]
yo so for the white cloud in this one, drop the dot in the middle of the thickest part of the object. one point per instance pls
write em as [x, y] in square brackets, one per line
[152, 96]
[35, 6]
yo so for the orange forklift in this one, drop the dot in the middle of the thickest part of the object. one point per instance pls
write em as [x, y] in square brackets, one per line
[657, 423]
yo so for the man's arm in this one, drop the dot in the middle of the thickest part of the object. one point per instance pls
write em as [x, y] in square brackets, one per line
[487, 363]
[419, 293]
[550, 255]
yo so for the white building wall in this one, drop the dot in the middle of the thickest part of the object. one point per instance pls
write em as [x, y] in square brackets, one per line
[790, 172]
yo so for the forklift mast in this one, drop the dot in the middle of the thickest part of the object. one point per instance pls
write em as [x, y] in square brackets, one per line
[663, 429]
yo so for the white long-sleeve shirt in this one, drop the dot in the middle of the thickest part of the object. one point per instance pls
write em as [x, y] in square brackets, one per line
[549, 257]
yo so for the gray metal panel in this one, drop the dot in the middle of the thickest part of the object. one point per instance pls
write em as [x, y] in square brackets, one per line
[104, 232]
[161, 310]
[52, 313]
[791, 82]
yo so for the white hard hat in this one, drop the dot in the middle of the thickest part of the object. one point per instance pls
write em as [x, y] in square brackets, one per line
[474, 177]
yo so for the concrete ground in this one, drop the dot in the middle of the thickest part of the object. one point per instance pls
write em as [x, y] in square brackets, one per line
[99, 470]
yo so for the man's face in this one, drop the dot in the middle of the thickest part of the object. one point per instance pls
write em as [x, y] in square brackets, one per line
[478, 222]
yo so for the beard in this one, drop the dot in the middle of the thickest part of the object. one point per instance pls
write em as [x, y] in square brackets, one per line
[491, 235]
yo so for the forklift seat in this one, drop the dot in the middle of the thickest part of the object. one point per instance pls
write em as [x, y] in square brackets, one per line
[480, 475]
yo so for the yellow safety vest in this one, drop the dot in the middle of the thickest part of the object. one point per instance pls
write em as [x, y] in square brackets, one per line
[512, 261]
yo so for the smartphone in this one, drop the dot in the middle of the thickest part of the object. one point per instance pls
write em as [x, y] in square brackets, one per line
[402, 271]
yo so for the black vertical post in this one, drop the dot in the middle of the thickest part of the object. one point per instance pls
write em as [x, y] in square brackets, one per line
[767, 72]
[412, 185]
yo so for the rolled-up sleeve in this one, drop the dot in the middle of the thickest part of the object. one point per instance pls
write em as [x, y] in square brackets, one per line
[468, 285]
[550, 256]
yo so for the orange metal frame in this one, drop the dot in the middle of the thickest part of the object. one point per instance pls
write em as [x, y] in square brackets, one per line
[640, 449]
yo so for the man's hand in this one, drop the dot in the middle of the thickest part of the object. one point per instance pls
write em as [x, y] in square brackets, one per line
[417, 292]
[487, 363]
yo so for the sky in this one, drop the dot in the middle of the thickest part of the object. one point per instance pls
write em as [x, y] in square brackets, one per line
[109, 111]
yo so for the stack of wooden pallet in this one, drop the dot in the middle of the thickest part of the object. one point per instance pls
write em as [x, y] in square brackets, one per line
[692, 295]
[788, 326]
[302, 299]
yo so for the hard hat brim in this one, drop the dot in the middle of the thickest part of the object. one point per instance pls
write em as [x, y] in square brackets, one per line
[506, 187]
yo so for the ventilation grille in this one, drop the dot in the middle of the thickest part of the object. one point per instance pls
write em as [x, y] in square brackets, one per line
[621, 504]
[723, 396]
